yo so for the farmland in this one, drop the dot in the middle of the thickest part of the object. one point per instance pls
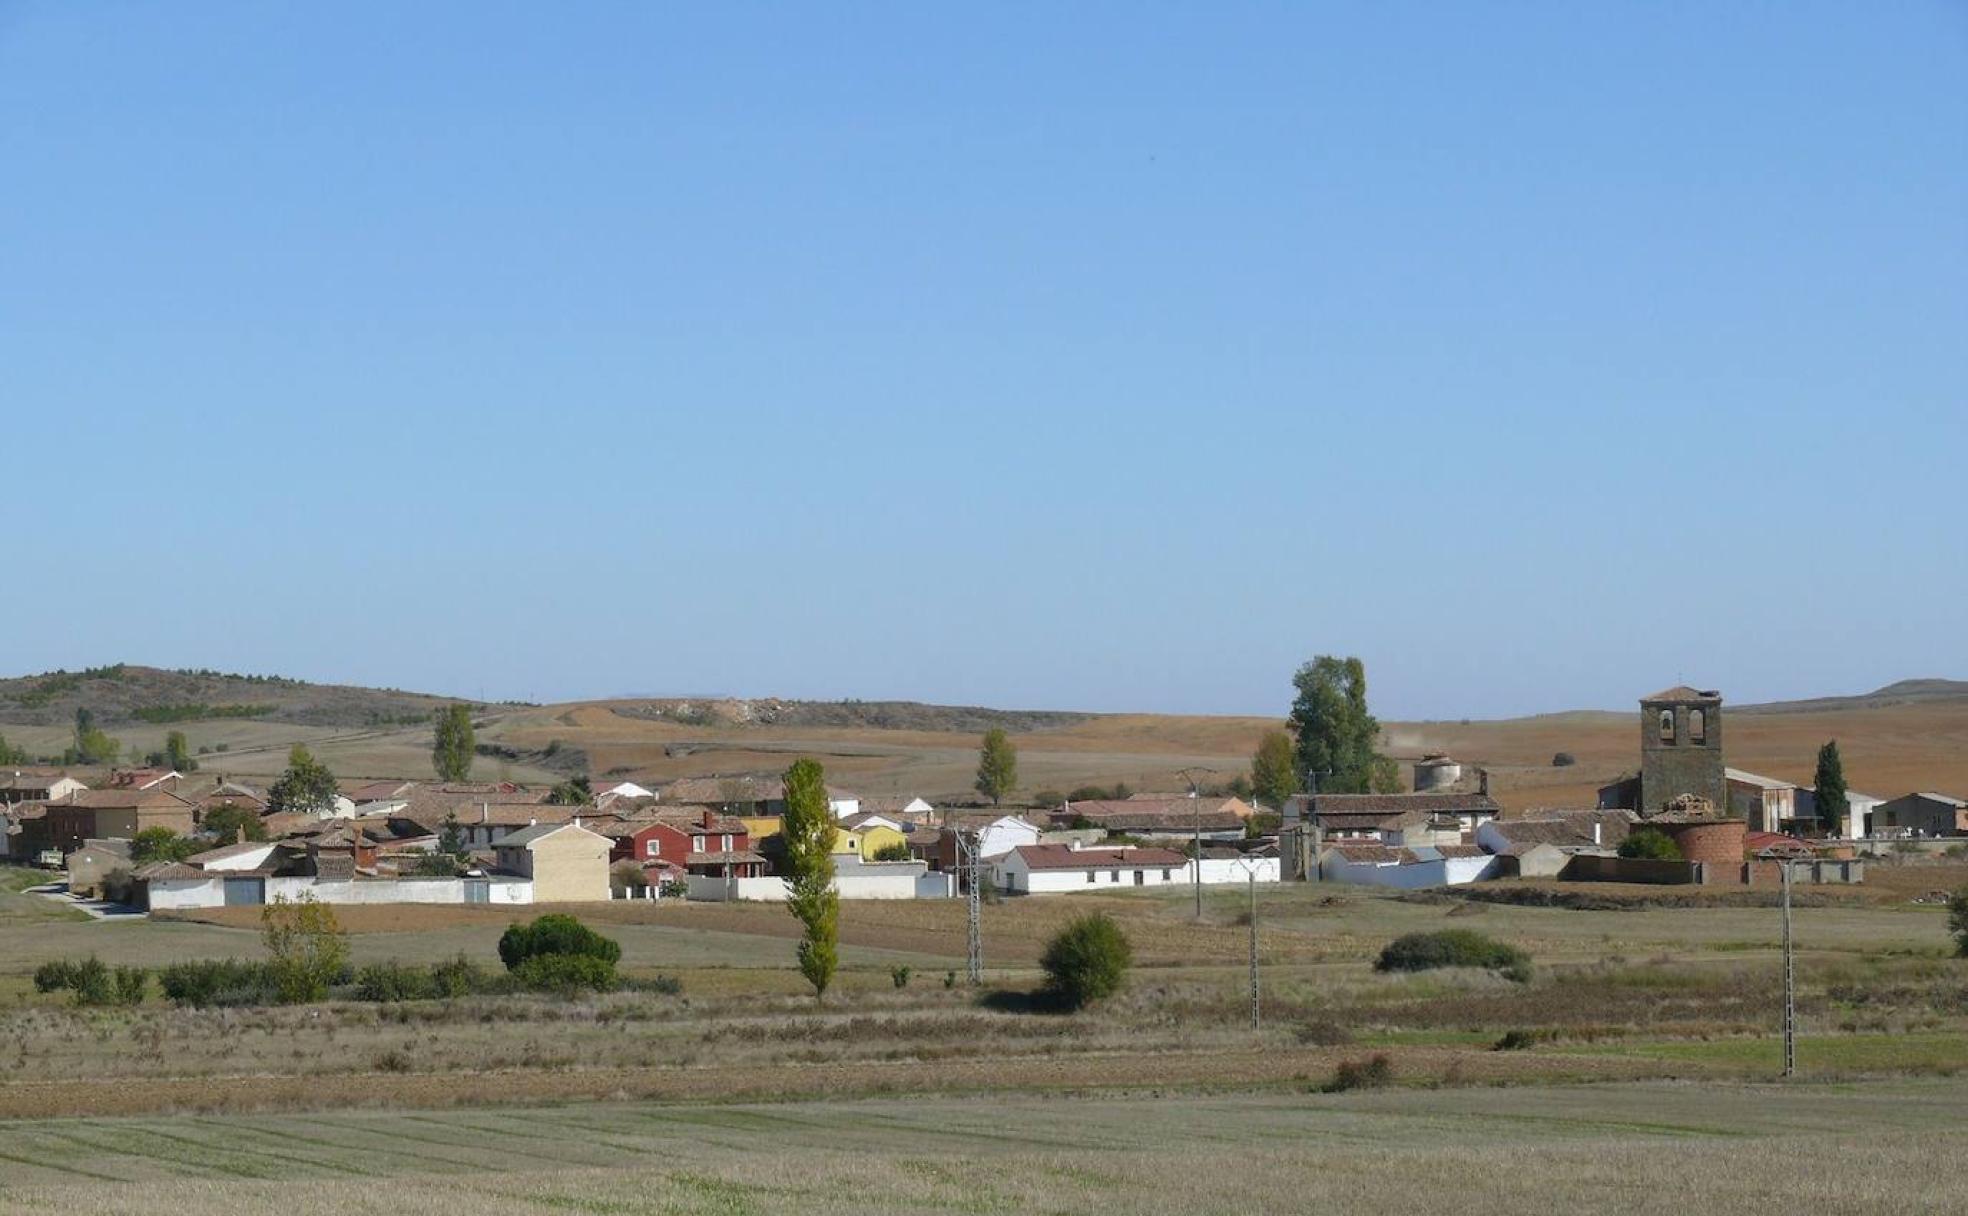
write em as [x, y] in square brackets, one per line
[1640, 1147]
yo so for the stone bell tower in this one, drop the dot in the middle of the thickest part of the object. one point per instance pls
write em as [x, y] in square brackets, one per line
[1681, 748]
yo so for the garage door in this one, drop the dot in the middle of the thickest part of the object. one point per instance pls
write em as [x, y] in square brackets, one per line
[244, 891]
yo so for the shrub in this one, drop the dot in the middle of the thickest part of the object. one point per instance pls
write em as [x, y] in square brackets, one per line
[91, 983]
[552, 934]
[458, 977]
[1375, 1072]
[900, 975]
[566, 974]
[1651, 844]
[394, 982]
[1454, 948]
[129, 985]
[1515, 1040]
[54, 976]
[209, 982]
[1086, 961]
[661, 985]
[1563, 760]
[895, 850]
[1957, 923]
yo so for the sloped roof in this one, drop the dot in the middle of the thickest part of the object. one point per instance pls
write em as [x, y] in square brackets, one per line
[122, 800]
[1065, 857]
[1681, 692]
[174, 871]
[1323, 805]
[526, 837]
[1564, 829]
[1761, 782]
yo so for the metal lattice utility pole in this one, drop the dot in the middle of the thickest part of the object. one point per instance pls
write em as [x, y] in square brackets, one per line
[1790, 983]
[968, 848]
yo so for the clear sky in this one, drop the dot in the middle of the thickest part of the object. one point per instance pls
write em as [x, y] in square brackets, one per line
[1105, 357]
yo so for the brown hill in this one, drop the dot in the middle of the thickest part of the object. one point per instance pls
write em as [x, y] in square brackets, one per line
[123, 693]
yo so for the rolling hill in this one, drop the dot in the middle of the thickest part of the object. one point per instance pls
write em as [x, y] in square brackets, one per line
[1909, 735]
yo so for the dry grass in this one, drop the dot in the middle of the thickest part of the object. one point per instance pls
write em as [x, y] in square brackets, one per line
[1522, 1152]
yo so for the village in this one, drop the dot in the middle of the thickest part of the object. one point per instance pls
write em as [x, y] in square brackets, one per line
[161, 841]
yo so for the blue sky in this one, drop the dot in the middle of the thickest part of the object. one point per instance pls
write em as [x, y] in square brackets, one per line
[1113, 358]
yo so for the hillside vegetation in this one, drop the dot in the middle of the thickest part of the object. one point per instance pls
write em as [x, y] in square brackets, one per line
[122, 694]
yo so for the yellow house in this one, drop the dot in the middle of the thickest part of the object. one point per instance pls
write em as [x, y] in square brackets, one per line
[845, 842]
[875, 838]
[567, 862]
[760, 828]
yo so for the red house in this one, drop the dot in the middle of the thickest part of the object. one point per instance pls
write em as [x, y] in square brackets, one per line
[700, 842]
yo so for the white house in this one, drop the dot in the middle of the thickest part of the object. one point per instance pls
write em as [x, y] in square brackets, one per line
[1005, 833]
[623, 789]
[1408, 869]
[1035, 869]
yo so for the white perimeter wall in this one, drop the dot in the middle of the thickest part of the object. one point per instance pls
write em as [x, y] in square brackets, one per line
[210, 893]
[851, 886]
[1450, 871]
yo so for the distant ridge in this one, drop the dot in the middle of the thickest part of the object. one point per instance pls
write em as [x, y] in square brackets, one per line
[123, 693]
[1900, 692]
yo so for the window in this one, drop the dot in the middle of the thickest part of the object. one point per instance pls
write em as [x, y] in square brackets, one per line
[727, 842]
[1114, 876]
[696, 844]
[1165, 875]
[1667, 726]
[1091, 876]
[653, 848]
[1697, 726]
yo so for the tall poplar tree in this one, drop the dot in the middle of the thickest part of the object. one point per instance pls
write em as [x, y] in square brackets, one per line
[807, 830]
[997, 766]
[1274, 769]
[455, 745]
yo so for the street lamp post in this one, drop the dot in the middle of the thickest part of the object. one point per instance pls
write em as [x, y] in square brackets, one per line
[1196, 849]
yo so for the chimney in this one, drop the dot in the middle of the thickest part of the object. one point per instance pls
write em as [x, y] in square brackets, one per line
[484, 812]
[1595, 832]
[1483, 782]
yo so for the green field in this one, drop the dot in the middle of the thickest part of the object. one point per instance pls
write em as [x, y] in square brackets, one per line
[1878, 1148]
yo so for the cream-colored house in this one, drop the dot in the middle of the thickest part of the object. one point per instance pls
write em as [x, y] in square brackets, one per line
[567, 862]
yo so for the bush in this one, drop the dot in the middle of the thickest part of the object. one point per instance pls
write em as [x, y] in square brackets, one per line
[394, 982]
[661, 985]
[1563, 760]
[1652, 844]
[1516, 1040]
[1957, 924]
[1375, 1072]
[129, 985]
[54, 976]
[555, 934]
[894, 850]
[900, 975]
[211, 983]
[1086, 961]
[1454, 948]
[566, 974]
[458, 977]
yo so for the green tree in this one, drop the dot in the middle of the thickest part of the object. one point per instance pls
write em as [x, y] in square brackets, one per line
[92, 746]
[1086, 961]
[306, 787]
[451, 837]
[806, 835]
[997, 766]
[555, 933]
[456, 743]
[574, 792]
[1274, 769]
[1833, 800]
[1335, 732]
[309, 949]
[177, 753]
[1958, 920]
[161, 844]
[1651, 844]
[10, 754]
[230, 823]
[1383, 775]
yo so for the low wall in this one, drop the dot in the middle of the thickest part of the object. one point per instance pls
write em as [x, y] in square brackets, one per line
[1235, 869]
[1823, 872]
[210, 893]
[712, 889]
[1590, 867]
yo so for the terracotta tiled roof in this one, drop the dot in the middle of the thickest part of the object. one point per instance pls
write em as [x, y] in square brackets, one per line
[1065, 857]
[122, 799]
